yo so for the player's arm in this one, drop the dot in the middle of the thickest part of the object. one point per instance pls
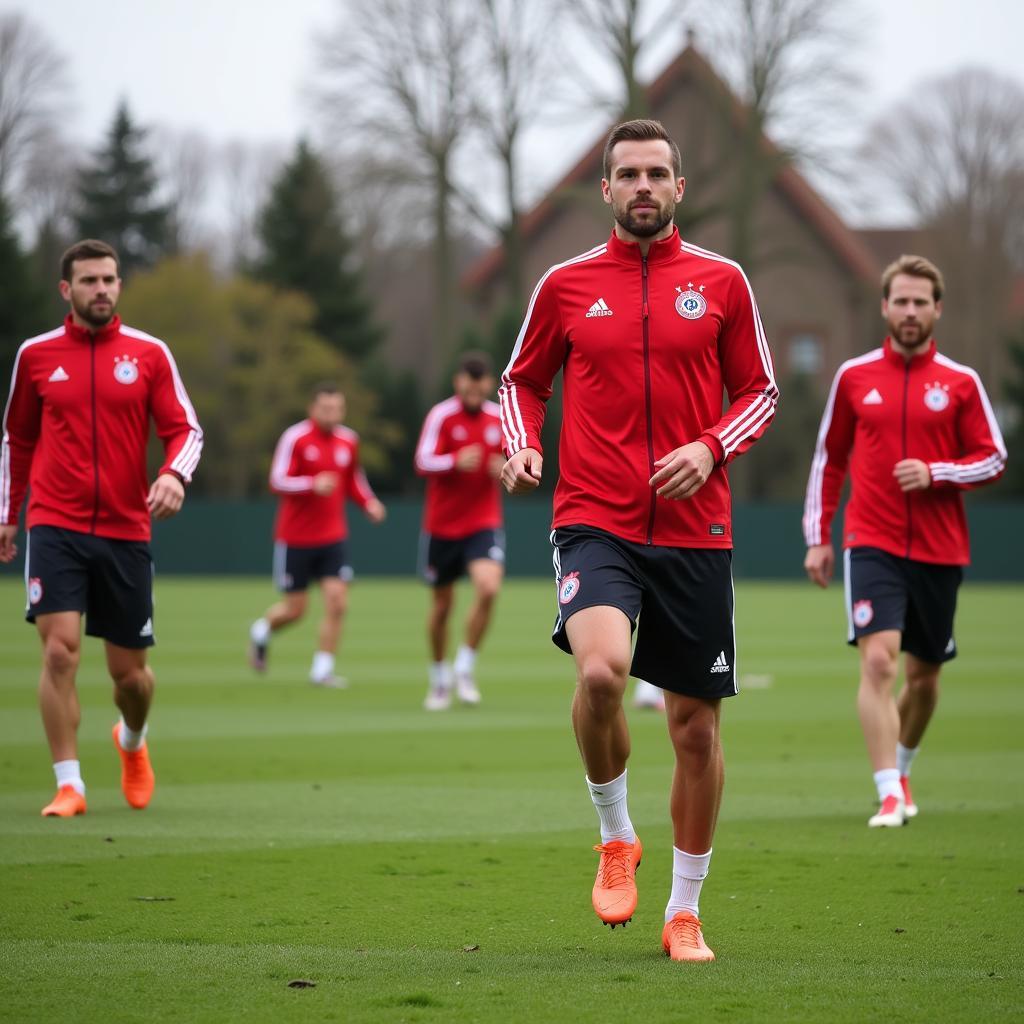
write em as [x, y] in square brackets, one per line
[983, 458]
[430, 460]
[21, 424]
[539, 352]
[362, 493]
[825, 481]
[178, 427]
[285, 477]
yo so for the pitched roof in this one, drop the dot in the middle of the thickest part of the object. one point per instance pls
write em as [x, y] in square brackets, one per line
[845, 243]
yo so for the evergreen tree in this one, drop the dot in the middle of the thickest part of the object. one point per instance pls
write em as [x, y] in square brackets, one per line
[21, 304]
[117, 198]
[304, 247]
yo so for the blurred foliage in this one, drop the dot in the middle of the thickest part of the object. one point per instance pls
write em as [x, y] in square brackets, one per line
[1012, 484]
[22, 307]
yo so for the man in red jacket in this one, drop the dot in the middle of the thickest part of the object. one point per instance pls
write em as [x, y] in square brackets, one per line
[915, 429]
[648, 331]
[315, 470]
[459, 452]
[75, 431]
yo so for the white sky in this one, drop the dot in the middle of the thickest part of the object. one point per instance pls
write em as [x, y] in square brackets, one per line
[236, 69]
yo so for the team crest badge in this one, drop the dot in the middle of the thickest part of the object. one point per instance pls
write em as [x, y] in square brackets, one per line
[493, 436]
[863, 613]
[342, 457]
[691, 305]
[35, 590]
[568, 588]
[126, 369]
[936, 396]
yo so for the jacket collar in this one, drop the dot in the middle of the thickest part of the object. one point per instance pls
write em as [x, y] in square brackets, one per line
[659, 252]
[106, 333]
[921, 359]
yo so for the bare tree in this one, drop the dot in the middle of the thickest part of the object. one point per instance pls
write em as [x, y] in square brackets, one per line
[243, 172]
[184, 162]
[954, 152]
[32, 84]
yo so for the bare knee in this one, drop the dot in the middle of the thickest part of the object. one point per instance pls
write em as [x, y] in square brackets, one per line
[602, 682]
[695, 734]
[879, 666]
[923, 685]
[60, 656]
[132, 678]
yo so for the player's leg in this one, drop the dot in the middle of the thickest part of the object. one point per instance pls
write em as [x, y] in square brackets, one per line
[133, 694]
[486, 575]
[334, 591]
[916, 704]
[291, 577]
[441, 678]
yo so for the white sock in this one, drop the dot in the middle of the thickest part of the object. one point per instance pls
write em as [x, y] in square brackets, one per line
[440, 675]
[888, 783]
[69, 773]
[688, 873]
[465, 660]
[323, 665]
[259, 631]
[131, 739]
[610, 800]
[905, 758]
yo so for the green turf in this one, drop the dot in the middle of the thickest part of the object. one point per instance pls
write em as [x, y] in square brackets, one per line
[438, 867]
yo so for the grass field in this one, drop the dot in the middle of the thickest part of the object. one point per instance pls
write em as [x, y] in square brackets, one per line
[438, 867]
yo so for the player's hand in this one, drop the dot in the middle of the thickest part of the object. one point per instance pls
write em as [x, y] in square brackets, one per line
[166, 496]
[325, 483]
[8, 549]
[375, 511]
[495, 464]
[683, 472]
[820, 563]
[521, 474]
[912, 475]
[470, 458]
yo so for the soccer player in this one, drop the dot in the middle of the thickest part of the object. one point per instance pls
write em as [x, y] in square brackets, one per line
[647, 330]
[75, 432]
[459, 452]
[915, 429]
[315, 470]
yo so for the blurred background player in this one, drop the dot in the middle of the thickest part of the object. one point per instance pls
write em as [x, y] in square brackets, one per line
[915, 430]
[647, 695]
[459, 452]
[315, 471]
[75, 431]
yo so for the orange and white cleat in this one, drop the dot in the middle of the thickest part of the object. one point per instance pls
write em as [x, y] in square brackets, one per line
[137, 779]
[909, 807]
[683, 939]
[892, 814]
[66, 804]
[614, 895]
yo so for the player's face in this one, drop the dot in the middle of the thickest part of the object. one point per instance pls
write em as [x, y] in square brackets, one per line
[911, 311]
[473, 392]
[93, 291]
[327, 410]
[643, 189]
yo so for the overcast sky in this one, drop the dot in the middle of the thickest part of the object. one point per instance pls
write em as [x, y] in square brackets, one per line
[238, 68]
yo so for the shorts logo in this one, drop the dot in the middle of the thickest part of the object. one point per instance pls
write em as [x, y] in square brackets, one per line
[568, 587]
[721, 664]
[126, 369]
[691, 305]
[936, 396]
[863, 613]
[35, 590]
[496, 554]
[147, 629]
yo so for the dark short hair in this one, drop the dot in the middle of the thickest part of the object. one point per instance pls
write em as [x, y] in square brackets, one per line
[324, 387]
[476, 365]
[87, 249]
[914, 266]
[640, 130]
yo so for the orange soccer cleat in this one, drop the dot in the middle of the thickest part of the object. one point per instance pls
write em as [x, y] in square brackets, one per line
[137, 779]
[892, 813]
[614, 895]
[682, 939]
[66, 804]
[909, 808]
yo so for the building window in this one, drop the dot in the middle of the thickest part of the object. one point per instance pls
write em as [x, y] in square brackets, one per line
[806, 353]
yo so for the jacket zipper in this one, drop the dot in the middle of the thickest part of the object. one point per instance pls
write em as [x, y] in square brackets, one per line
[95, 437]
[647, 398]
[906, 496]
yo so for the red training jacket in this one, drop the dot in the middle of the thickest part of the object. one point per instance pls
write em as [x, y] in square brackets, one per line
[459, 503]
[882, 409]
[305, 519]
[77, 425]
[646, 346]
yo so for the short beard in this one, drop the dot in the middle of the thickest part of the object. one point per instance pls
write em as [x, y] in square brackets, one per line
[644, 229]
[91, 318]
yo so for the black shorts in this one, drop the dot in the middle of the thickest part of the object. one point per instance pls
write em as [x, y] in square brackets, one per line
[683, 597]
[916, 598]
[444, 559]
[109, 581]
[295, 566]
